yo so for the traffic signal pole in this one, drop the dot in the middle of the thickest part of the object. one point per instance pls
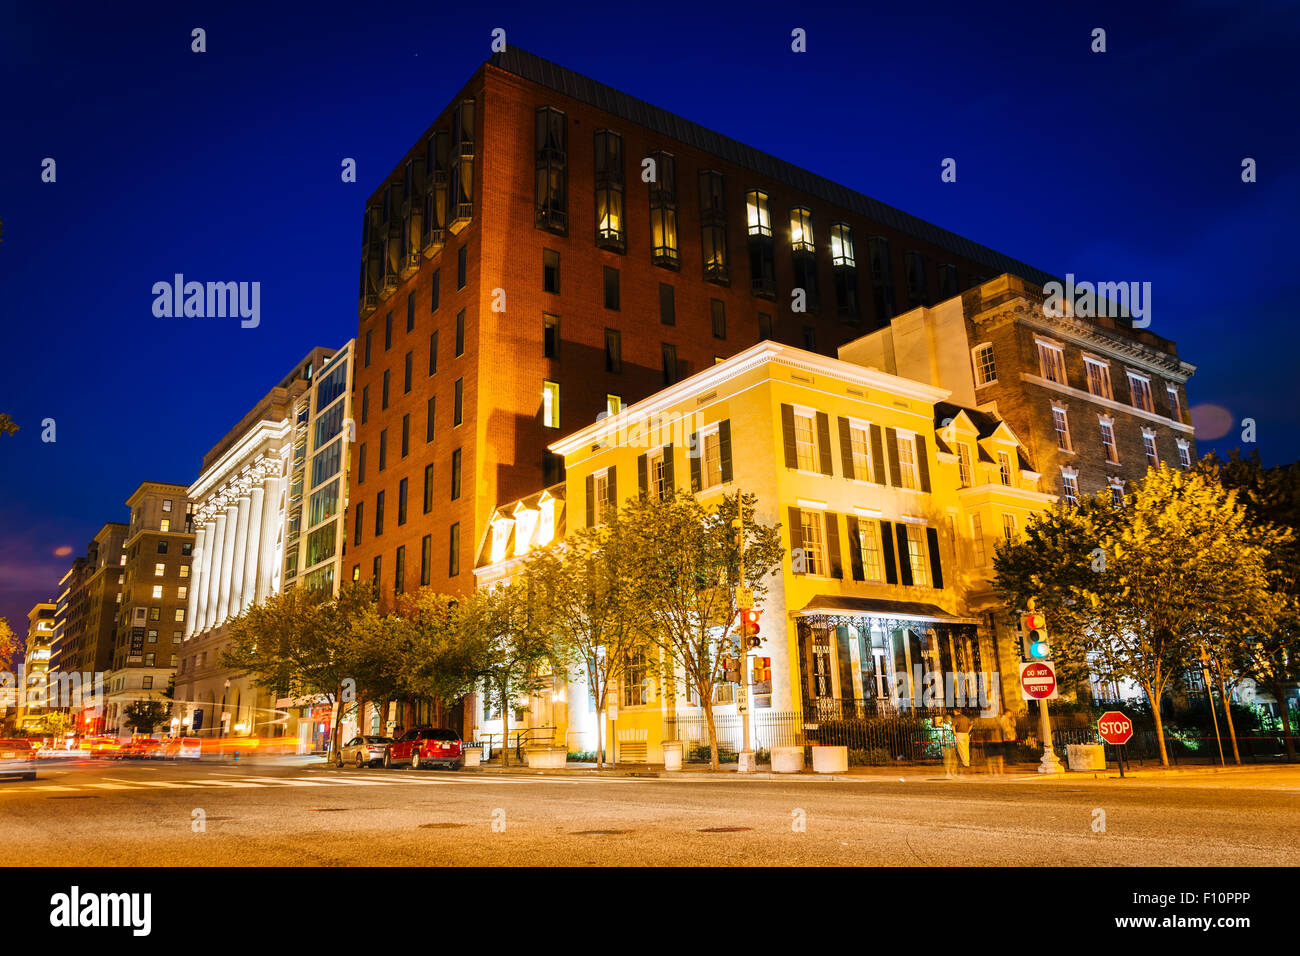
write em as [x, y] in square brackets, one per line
[747, 762]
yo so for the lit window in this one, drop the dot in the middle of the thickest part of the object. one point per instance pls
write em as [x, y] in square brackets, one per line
[159, 570]
[711, 460]
[801, 232]
[907, 461]
[1098, 377]
[916, 556]
[165, 524]
[869, 548]
[1108, 439]
[713, 226]
[609, 190]
[1004, 467]
[1139, 387]
[1149, 446]
[860, 446]
[657, 475]
[977, 536]
[1184, 453]
[1051, 362]
[759, 216]
[1062, 426]
[663, 210]
[551, 404]
[613, 404]
[963, 464]
[157, 591]
[180, 614]
[181, 593]
[600, 496]
[1009, 527]
[841, 244]
[185, 570]
[1117, 495]
[167, 504]
[551, 166]
[805, 442]
[811, 525]
[1070, 487]
[986, 372]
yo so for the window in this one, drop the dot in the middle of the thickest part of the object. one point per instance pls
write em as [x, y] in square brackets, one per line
[435, 283]
[1175, 403]
[613, 351]
[634, 679]
[599, 502]
[185, 570]
[1070, 486]
[430, 407]
[713, 226]
[376, 570]
[916, 556]
[963, 464]
[365, 404]
[426, 553]
[180, 615]
[167, 505]
[659, 474]
[406, 434]
[868, 545]
[918, 290]
[663, 210]
[669, 356]
[1062, 425]
[718, 312]
[813, 541]
[401, 502]
[551, 336]
[803, 250]
[1149, 446]
[433, 352]
[187, 548]
[860, 451]
[410, 311]
[551, 404]
[383, 396]
[805, 442]
[356, 531]
[846, 273]
[157, 591]
[453, 548]
[758, 213]
[379, 514]
[551, 142]
[388, 331]
[458, 393]
[1139, 387]
[611, 288]
[610, 232]
[383, 449]
[155, 614]
[1004, 468]
[455, 474]
[764, 326]
[977, 539]
[406, 375]
[1108, 439]
[159, 570]
[1184, 453]
[1051, 362]
[947, 280]
[551, 271]
[907, 474]
[667, 308]
[801, 232]
[1098, 377]
[711, 460]
[460, 333]
[462, 263]
[399, 570]
[986, 371]
[1008, 527]
[428, 487]
[147, 683]
[613, 404]
[1116, 494]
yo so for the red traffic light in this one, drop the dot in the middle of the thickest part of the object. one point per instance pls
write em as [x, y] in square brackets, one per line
[749, 621]
[1033, 622]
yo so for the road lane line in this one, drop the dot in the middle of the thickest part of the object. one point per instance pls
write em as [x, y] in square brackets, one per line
[223, 783]
[111, 786]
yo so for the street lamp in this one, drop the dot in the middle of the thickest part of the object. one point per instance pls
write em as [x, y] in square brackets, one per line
[744, 601]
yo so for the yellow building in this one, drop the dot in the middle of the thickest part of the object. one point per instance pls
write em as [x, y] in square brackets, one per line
[890, 502]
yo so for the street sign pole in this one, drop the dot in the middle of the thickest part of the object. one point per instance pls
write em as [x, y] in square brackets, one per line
[747, 763]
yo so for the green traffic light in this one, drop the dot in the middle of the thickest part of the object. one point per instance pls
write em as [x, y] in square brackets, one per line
[1038, 650]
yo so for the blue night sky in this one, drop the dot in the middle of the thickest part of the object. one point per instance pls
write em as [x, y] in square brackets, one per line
[225, 166]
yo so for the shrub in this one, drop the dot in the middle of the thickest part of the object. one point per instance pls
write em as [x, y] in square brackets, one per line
[873, 757]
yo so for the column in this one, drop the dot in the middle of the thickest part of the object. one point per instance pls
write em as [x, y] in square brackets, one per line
[227, 562]
[241, 557]
[270, 523]
[214, 572]
[253, 547]
[196, 564]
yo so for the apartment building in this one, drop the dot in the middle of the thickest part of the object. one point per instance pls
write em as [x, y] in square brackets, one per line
[551, 249]
[37, 650]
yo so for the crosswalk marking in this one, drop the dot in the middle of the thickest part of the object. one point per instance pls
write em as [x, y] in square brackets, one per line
[325, 779]
[113, 786]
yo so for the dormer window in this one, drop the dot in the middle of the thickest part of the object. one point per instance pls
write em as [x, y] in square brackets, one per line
[525, 527]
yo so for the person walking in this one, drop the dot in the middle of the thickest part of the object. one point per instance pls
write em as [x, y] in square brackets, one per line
[961, 725]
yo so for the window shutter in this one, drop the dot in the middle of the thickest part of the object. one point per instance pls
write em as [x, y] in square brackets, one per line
[642, 480]
[833, 544]
[878, 457]
[895, 470]
[846, 449]
[904, 559]
[724, 448]
[612, 489]
[591, 500]
[887, 548]
[855, 552]
[670, 475]
[824, 443]
[923, 463]
[787, 432]
[796, 533]
[936, 566]
[693, 453]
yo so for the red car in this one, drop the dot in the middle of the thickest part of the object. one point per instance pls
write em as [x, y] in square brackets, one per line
[426, 747]
[17, 759]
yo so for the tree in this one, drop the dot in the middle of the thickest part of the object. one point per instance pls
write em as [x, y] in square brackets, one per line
[7, 425]
[144, 715]
[1129, 592]
[1271, 497]
[10, 649]
[683, 562]
[433, 662]
[588, 606]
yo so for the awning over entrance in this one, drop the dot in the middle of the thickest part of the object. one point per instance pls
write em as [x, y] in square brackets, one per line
[841, 606]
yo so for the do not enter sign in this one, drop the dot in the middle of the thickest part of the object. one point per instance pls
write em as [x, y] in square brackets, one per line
[1114, 727]
[1038, 680]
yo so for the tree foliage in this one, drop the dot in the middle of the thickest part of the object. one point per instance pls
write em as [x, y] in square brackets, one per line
[144, 715]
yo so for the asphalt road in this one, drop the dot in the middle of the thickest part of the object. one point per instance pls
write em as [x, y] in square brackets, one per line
[300, 813]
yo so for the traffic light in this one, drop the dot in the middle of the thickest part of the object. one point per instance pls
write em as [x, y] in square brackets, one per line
[1033, 637]
[749, 628]
[732, 667]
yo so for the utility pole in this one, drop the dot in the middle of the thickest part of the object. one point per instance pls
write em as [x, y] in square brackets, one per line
[744, 601]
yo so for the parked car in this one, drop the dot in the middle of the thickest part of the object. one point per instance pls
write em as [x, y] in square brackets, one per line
[141, 748]
[426, 747]
[362, 751]
[17, 759]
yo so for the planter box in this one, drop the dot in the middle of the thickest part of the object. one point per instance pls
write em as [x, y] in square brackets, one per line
[1085, 756]
[672, 754]
[547, 758]
[790, 759]
[473, 757]
[830, 759]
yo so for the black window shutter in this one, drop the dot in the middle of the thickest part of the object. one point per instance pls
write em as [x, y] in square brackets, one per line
[833, 544]
[846, 449]
[591, 500]
[787, 432]
[693, 453]
[855, 552]
[796, 533]
[670, 475]
[878, 457]
[612, 489]
[891, 440]
[824, 442]
[724, 448]
[936, 566]
[923, 463]
[642, 479]
[904, 558]
[887, 546]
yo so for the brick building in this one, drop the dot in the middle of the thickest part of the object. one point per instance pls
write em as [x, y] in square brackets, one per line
[1095, 400]
[519, 276]
[88, 604]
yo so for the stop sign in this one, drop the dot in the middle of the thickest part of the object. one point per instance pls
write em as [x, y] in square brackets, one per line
[1038, 680]
[1114, 727]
